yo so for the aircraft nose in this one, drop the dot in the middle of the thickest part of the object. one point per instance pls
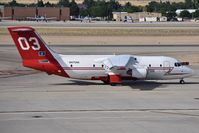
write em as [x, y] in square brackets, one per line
[190, 71]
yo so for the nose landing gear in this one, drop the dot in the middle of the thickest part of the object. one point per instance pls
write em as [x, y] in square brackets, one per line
[182, 81]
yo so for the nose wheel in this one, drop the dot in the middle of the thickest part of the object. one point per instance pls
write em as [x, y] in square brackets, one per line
[182, 81]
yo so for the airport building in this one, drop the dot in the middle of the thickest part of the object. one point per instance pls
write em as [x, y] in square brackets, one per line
[137, 16]
[22, 13]
[178, 11]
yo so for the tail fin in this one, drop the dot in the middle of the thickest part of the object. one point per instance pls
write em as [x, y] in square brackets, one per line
[34, 52]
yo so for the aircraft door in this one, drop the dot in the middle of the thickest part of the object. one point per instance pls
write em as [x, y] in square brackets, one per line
[166, 64]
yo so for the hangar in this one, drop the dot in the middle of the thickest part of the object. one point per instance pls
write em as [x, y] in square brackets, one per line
[21, 13]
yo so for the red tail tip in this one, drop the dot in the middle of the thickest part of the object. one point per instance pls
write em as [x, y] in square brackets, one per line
[21, 28]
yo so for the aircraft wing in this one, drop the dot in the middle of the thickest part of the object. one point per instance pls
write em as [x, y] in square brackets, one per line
[51, 18]
[116, 63]
[124, 64]
[5, 18]
[79, 19]
[31, 18]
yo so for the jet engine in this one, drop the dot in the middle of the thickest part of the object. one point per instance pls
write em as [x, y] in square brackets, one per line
[139, 73]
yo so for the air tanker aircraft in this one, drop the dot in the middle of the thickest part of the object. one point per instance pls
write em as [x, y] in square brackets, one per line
[110, 69]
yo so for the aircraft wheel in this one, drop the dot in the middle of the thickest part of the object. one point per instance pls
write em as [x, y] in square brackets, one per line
[182, 81]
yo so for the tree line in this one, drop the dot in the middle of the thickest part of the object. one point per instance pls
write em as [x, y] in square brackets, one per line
[102, 8]
[168, 9]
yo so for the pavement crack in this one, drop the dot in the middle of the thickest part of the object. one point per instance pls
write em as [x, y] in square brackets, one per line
[103, 110]
[176, 113]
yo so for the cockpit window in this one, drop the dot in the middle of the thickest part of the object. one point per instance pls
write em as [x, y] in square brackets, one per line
[178, 64]
[185, 63]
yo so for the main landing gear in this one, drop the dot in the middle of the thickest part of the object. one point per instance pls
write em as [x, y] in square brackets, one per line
[108, 82]
[182, 81]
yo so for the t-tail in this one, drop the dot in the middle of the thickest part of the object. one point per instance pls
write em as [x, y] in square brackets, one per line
[34, 52]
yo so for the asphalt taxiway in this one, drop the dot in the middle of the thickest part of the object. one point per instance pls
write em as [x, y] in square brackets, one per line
[32, 101]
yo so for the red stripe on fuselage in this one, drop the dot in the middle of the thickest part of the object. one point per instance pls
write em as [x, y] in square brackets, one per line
[83, 68]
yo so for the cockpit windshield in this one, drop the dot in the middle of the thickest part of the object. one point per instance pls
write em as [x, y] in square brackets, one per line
[178, 64]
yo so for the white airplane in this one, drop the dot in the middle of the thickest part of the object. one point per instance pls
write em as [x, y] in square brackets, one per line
[5, 18]
[41, 18]
[128, 19]
[111, 69]
[84, 19]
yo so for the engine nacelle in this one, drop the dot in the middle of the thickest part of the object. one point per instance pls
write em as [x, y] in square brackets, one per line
[139, 73]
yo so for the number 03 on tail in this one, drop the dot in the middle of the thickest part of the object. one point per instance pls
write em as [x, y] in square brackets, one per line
[110, 69]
